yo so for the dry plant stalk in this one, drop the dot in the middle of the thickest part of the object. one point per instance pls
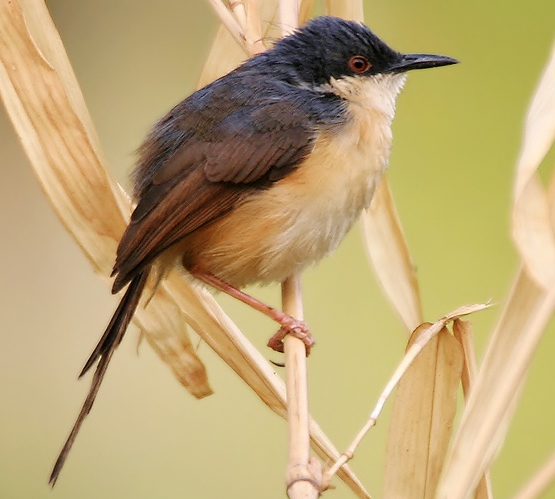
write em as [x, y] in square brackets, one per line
[301, 481]
[231, 24]
[66, 157]
[540, 482]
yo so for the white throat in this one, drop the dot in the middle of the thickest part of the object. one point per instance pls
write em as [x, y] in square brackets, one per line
[376, 93]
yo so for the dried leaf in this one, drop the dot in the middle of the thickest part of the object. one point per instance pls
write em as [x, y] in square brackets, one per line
[419, 340]
[533, 233]
[497, 389]
[388, 252]
[423, 413]
[466, 310]
[531, 304]
[462, 330]
[37, 84]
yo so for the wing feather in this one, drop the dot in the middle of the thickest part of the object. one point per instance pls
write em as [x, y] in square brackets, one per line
[208, 174]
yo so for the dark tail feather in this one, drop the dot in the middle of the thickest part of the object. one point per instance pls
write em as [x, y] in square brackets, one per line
[119, 322]
[103, 353]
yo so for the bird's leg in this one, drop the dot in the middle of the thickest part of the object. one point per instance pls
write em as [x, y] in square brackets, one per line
[289, 325]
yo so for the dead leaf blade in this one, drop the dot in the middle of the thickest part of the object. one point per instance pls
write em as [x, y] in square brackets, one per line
[420, 428]
[387, 250]
[498, 386]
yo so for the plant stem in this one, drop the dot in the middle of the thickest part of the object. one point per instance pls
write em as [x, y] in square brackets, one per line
[301, 482]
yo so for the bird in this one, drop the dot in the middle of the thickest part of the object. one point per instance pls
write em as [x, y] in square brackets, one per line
[260, 173]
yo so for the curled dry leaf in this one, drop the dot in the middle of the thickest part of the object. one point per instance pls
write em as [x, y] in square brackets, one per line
[532, 225]
[532, 231]
[462, 331]
[420, 341]
[466, 310]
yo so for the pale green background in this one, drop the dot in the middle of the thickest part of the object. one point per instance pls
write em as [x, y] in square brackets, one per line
[457, 134]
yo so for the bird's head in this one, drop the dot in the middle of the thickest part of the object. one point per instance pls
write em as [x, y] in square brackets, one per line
[342, 56]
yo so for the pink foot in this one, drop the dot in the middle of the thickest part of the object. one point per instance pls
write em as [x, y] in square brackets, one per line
[295, 327]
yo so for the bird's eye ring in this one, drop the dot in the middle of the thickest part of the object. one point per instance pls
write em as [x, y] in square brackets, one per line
[359, 64]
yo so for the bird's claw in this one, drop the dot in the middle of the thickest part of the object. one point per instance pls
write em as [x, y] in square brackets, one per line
[295, 327]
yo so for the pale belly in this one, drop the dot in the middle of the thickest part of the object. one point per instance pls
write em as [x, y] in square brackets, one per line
[301, 218]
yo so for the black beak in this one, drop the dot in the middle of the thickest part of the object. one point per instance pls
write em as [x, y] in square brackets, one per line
[409, 62]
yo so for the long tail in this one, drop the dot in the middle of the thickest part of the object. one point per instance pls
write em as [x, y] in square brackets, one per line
[103, 353]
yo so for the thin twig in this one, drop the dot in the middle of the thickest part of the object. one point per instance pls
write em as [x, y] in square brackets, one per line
[253, 27]
[422, 340]
[405, 363]
[230, 23]
[238, 9]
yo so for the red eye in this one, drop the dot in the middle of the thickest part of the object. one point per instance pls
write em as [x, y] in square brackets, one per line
[359, 64]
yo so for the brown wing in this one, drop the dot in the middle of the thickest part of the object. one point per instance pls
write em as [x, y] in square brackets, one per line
[208, 174]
